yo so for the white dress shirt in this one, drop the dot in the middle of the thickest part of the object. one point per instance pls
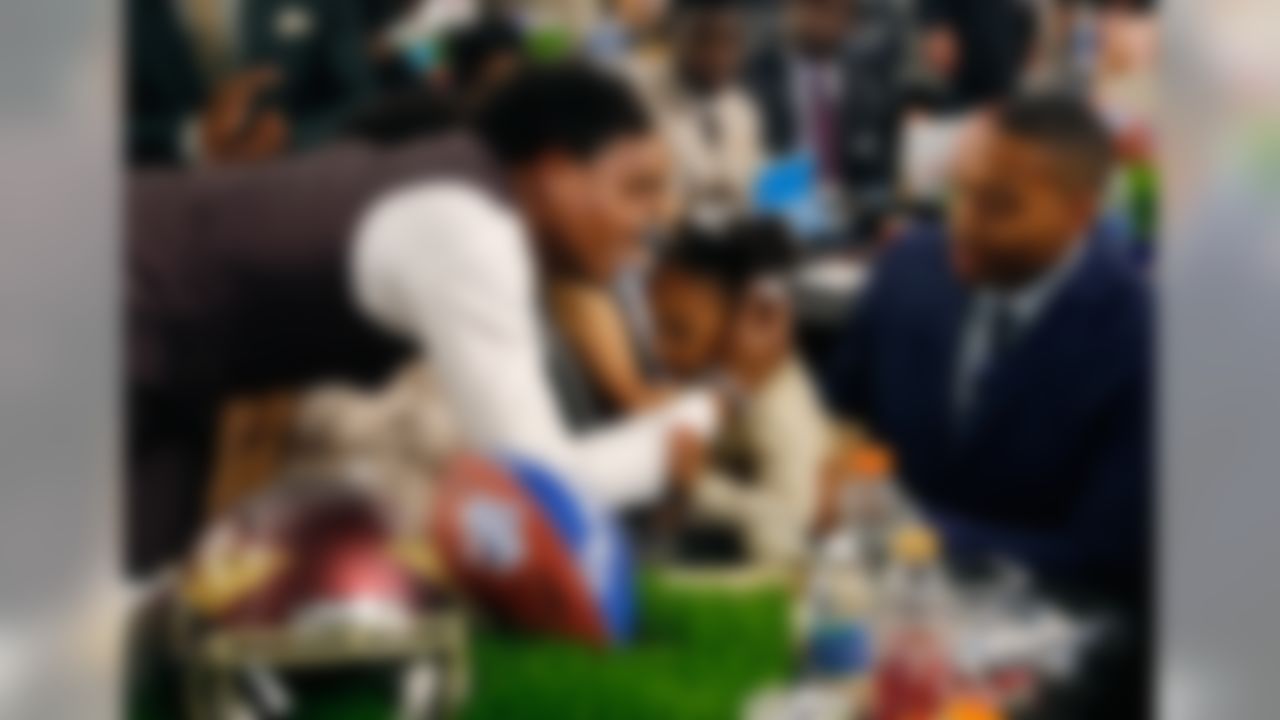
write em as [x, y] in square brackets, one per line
[447, 266]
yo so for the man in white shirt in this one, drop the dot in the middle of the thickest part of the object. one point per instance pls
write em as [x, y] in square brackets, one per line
[286, 272]
[470, 288]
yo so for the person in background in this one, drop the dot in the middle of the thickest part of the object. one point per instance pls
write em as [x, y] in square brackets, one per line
[1124, 91]
[1008, 358]
[978, 49]
[721, 307]
[224, 81]
[329, 263]
[711, 123]
[1124, 86]
[624, 33]
[390, 37]
[830, 86]
[568, 20]
[479, 58]
[405, 37]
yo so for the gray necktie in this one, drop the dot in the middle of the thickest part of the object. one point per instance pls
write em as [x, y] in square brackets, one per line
[1001, 330]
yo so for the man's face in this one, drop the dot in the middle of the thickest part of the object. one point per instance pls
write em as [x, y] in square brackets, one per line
[818, 27]
[690, 317]
[592, 213]
[710, 47]
[1013, 212]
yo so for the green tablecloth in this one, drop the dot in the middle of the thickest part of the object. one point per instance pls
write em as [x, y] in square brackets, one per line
[698, 654]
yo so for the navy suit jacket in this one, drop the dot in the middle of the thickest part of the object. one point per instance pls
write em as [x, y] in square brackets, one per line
[1053, 468]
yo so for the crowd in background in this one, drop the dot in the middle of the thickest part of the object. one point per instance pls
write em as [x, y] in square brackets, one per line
[870, 88]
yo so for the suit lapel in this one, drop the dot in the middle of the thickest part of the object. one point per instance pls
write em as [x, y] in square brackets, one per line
[957, 310]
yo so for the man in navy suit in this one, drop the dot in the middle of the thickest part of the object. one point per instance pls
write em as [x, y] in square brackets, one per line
[1007, 358]
[826, 86]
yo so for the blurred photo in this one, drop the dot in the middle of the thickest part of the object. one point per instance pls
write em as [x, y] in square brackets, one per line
[600, 358]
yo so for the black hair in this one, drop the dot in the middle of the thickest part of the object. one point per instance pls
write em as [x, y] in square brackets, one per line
[471, 46]
[566, 106]
[1066, 126]
[732, 256]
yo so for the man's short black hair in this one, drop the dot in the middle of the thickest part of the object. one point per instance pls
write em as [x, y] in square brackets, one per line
[567, 107]
[1066, 126]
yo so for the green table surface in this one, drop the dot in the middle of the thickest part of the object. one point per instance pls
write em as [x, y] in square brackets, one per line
[698, 654]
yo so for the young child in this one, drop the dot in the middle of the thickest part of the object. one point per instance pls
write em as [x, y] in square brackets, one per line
[721, 307]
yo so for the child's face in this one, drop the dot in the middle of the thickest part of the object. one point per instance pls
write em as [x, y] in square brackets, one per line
[690, 318]
[759, 337]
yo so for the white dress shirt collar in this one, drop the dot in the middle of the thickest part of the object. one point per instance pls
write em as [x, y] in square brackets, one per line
[1029, 301]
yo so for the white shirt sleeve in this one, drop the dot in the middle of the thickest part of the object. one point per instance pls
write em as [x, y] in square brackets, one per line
[448, 267]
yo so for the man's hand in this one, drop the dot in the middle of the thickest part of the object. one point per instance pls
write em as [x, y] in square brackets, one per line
[234, 127]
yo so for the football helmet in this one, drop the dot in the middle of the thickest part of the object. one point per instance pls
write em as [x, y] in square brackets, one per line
[311, 587]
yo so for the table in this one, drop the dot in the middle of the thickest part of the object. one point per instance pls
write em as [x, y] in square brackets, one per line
[699, 654]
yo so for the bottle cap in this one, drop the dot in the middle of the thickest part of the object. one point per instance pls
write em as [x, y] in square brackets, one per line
[916, 544]
[870, 462]
[971, 707]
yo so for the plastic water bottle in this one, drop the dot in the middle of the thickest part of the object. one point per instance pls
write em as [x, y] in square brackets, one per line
[837, 628]
[914, 670]
[871, 507]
